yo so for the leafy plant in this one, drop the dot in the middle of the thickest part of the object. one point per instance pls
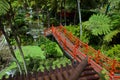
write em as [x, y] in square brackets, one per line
[7, 69]
[114, 52]
[74, 29]
[52, 62]
[110, 35]
[104, 75]
[32, 51]
[51, 48]
[4, 7]
[98, 24]
[115, 21]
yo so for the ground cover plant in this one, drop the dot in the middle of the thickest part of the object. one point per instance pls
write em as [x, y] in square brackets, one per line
[38, 57]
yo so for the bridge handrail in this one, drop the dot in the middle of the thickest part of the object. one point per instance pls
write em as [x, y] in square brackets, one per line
[47, 30]
[110, 64]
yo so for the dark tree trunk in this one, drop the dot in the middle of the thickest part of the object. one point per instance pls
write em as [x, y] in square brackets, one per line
[107, 8]
[15, 35]
[65, 12]
[61, 13]
[10, 47]
[75, 15]
[48, 18]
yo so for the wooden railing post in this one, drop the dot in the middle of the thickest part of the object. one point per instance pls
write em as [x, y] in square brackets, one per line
[52, 29]
[55, 32]
[111, 75]
[70, 35]
[65, 47]
[86, 48]
[77, 43]
[64, 31]
[97, 57]
[74, 52]
[60, 27]
[59, 37]
[89, 58]
[113, 66]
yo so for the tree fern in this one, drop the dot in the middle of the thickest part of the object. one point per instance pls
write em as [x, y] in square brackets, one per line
[109, 36]
[115, 21]
[98, 24]
[4, 7]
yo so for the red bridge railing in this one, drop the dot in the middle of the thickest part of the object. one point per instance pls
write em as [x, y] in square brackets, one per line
[109, 64]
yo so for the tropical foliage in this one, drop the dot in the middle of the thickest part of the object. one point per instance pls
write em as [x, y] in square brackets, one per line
[110, 35]
[101, 29]
[51, 48]
[114, 52]
[98, 25]
[4, 7]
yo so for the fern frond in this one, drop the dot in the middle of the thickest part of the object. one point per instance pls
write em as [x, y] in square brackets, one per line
[4, 7]
[98, 24]
[109, 36]
[114, 52]
[115, 21]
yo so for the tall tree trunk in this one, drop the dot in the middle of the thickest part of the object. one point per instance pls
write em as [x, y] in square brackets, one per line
[10, 47]
[19, 47]
[75, 15]
[78, 2]
[15, 35]
[107, 8]
[65, 12]
[43, 16]
[48, 18]
[61, 13]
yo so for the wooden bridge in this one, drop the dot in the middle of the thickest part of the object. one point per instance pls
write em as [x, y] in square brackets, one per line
[75, 71]
[79, 50]
[89, 62]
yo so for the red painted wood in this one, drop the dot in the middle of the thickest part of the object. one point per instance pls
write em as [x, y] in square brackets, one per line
[78, 50]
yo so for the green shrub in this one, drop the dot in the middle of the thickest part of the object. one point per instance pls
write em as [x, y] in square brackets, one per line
[50, 48]
[104, 75]
[114, 52]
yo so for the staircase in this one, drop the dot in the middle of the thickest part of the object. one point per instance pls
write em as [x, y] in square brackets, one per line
[89, 73]
[79, 50]
[76, 71]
